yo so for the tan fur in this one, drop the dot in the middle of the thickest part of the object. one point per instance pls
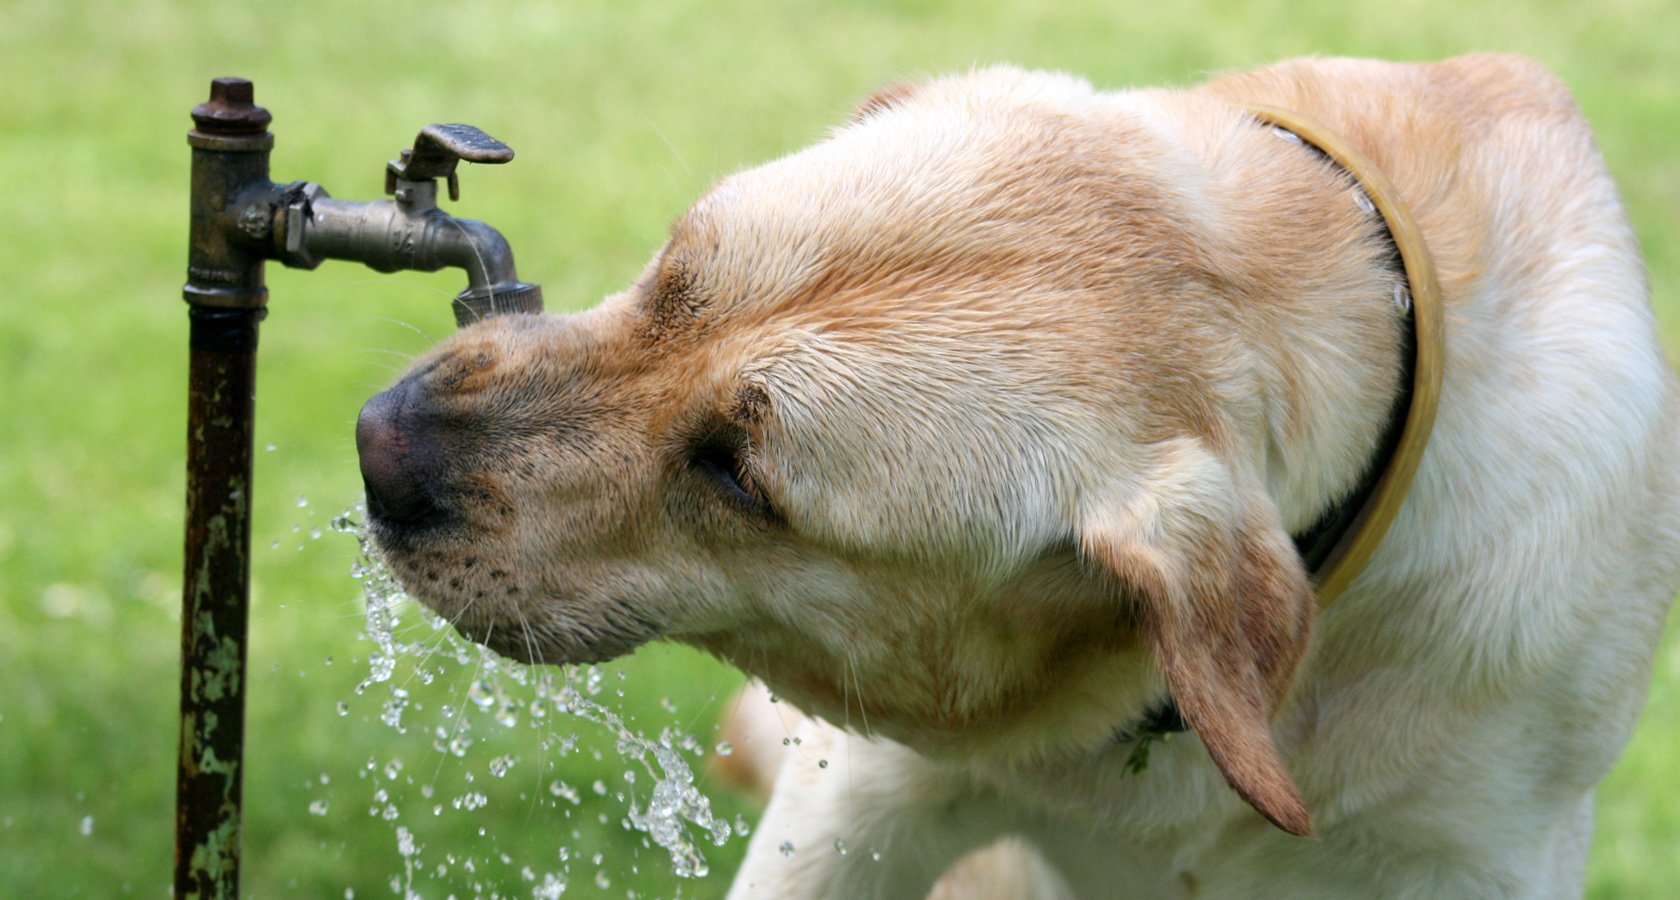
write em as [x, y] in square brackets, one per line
[1022, 388]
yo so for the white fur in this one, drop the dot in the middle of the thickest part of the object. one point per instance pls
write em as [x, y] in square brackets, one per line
[1461, 699]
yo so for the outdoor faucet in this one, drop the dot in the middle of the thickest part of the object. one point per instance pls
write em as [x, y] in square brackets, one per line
[241, 219]
[410, 232]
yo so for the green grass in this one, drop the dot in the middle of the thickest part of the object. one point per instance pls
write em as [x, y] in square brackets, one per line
[621, 113]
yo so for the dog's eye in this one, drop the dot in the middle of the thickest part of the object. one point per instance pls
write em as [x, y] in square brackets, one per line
[722, 464]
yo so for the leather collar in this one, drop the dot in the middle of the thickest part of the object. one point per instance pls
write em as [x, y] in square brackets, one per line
[1337, 547]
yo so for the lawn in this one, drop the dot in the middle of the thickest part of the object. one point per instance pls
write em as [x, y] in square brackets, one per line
[621, 113]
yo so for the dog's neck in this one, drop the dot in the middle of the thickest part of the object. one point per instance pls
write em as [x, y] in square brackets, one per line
[1330, 547]
[1337, 546]
[1319, 543]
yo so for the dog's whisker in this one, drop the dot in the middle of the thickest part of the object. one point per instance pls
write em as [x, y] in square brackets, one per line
[863, 711]
[433, 642]
[402, 322]
[461, 710]
[387, 351]
[675, 154]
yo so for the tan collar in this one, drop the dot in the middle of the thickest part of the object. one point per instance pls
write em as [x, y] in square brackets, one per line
[1384, 492]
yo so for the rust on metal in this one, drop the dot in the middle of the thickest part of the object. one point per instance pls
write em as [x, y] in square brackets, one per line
[215, 601]
[227, 301]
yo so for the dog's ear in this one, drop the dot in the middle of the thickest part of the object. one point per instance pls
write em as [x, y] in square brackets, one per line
[1225, 605]
[883, 99]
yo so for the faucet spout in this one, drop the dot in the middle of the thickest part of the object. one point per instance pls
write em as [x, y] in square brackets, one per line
[493, 285]
[409, 233]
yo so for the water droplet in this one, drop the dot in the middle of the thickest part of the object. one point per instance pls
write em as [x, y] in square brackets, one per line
[786, 848]
[271, 448]
[724, 748]
[551, 888]
[319, 808]
[500, 765]
[302, 501]
[562, 789]
[840, 846]
[599, 787]
[741, 825]
[822, 763]
[874, 854]
[601, 879]
[87, 825]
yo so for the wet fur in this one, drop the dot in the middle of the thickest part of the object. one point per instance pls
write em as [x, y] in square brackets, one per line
[981, 426]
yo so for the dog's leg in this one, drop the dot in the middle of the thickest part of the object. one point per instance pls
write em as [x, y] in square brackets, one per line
[1568, 853]
[1010, 869]
[857, 819]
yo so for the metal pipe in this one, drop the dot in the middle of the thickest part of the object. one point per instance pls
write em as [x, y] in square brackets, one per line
[239, 219]
[408, 233]
[227, 301]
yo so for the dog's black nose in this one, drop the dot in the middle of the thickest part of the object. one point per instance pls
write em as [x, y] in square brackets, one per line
[398, 457]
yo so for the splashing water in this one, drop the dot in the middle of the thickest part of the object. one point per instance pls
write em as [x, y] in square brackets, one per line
[675, 814]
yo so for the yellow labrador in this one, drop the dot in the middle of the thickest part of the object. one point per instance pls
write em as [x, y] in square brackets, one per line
[980, 431]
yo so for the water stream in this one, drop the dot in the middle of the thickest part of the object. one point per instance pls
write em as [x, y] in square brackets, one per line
[411, 647]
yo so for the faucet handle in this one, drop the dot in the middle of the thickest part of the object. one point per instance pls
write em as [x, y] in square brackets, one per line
[436, 151]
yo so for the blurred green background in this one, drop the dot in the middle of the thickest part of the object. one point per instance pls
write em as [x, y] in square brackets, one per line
[621, 113]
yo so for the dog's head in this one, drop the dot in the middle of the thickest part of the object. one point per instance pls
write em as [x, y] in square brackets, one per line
[939, 426]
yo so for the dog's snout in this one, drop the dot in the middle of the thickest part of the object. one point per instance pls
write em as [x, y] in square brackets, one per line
[397, 458]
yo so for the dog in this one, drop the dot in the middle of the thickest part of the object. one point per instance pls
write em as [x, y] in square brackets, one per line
[980, 430]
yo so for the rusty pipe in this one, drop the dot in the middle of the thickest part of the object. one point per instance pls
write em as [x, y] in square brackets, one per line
[240, 219]
[227, 299]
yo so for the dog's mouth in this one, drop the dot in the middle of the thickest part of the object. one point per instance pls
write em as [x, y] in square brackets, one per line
[546, 629]
[518, 644]
[551, 642]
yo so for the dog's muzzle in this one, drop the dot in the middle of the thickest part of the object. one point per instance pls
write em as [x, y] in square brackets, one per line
[399, 456]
